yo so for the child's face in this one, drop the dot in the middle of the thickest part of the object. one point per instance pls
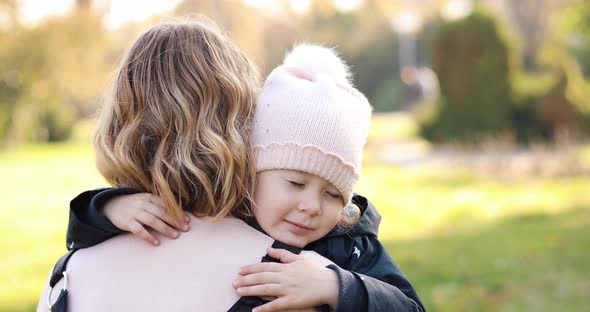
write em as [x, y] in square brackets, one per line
[294, 207]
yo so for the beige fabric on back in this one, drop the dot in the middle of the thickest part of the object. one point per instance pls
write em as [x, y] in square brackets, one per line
[192, 273]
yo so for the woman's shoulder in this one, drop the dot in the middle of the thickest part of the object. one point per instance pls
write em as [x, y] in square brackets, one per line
[200, 266]
[205, 233]
[227, 230]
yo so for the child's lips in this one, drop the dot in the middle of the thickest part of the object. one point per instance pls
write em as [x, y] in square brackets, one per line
[298, 227]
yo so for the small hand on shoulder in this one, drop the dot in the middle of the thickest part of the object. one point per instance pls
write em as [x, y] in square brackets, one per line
[135, 212]
[297, 283]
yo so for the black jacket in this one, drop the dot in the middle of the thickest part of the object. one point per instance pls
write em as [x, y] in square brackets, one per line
[368, 277]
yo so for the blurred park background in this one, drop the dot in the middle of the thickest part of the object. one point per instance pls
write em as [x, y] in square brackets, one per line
[478, 158]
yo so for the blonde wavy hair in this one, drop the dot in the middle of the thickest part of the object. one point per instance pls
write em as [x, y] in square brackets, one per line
[177, 123]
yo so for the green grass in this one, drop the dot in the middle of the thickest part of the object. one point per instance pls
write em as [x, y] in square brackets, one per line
[37, 184]
[535, 262]
[392, 126]
[428, 201]
[471, 243]
[468, 243]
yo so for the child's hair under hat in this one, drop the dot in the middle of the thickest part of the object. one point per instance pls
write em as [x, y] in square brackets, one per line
[310, 118]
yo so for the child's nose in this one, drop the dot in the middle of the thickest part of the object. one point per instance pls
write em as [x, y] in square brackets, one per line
[310, 205]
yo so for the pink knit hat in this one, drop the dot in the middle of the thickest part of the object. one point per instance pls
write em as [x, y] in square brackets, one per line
[310, 118]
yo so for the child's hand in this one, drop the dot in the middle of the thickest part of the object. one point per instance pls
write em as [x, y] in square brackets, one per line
[296, 283]
[133, 212]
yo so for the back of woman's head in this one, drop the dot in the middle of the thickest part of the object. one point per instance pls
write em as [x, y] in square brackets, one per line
[177, 123]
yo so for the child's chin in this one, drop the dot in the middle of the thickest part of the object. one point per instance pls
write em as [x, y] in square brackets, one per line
[293, 241]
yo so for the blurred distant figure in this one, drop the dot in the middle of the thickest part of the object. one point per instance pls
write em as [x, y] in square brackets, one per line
[418, 85]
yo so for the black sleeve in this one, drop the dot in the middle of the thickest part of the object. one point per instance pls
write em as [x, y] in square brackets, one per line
[369, 279]
[379, 286]
[352, 294]
[87, 226]
[386, 286]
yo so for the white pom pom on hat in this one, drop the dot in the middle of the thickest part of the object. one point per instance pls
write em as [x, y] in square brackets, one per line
[318, 60]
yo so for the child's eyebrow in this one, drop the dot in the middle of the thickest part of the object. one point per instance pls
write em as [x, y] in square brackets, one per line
[293, 174]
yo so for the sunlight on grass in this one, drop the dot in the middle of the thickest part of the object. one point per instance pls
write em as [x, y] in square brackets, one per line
[533, 262]
[422, 202]
[392, 126]
[585, 155]
[38, 181]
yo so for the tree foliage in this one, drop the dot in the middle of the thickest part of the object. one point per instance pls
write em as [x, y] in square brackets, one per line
[55, 72]
[50, 75]
[471, 59]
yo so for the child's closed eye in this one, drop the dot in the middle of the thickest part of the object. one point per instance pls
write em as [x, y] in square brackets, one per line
[334, 195]
[295, 183]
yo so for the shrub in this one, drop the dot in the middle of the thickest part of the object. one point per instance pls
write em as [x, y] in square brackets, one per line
[471, 59]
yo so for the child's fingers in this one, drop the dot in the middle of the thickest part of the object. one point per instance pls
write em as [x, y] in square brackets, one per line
[282, 254]
[161, 214]
[261, 267]
[138, 230]
[157, 207]
[145, 217]
[156, 200]
[264, 290]
[279, 304]
[256, 279]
